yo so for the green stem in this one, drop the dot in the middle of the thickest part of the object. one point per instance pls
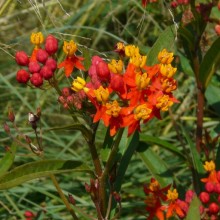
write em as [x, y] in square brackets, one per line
[62, 196]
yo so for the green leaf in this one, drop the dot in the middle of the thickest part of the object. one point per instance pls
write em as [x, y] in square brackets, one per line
[165, 40]
[157, 167]
[166, 145]
[7, 160]
[194, 212]
[210, 63]
[125, 160]
[33, 170]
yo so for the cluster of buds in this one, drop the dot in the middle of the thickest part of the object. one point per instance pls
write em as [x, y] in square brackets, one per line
[127, 92]
[41, 65]
[177, 3]
[210, 198]
[69, 98]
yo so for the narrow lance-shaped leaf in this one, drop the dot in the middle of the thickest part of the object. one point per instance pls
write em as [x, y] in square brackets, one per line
[33, 170]
[210, 63]
[165, 40]
[7, 160]
[194, 209]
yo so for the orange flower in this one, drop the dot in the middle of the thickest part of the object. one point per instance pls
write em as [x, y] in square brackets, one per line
[37, 39]
[210, 167]
[71, 60]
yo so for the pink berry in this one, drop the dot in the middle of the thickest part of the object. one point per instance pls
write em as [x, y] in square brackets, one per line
[34, 67]
[36, 80]
[21, 58]
[22, 76]
[213, 208]
[51, 63]
[42, 55]
[204, 197]
[209, 187]
[46, 72]
[51, 45]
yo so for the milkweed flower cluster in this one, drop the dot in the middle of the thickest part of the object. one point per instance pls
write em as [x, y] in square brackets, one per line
[163, 203]
[124, 92]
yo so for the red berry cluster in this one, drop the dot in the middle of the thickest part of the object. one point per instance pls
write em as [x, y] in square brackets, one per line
[210, 198]
[40, 66]
[70, 98]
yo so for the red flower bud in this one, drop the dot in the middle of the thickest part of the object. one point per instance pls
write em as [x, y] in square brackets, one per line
[21, 58]
[29, 215]
[51, 63]
[36, 80]
[42, 56]
[46, 72]
[174, 4]
[189, 196]
[34, 67]
[204, 197]
[213, 208]
[117, 197]
[66, 92]
[219, 6]
[51, 45]
[217, 29]
[217, 188]
[69, 99]
[11, 115]
[209, 187]
[218, 199]
[103, 71]
[22, 76]
[6, 128]
[62, 100]
[218, 176]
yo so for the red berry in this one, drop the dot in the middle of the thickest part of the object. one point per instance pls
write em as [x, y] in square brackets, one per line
[42, 55]
[209, 187]
[51, 45]
[21, 58]
[34, 67]
[51, 63]
[46, 72]
[217, 29]
[213, 208]
[204, 197]
[217, 188]
[103, 71]
[36, 80]
[22, 76]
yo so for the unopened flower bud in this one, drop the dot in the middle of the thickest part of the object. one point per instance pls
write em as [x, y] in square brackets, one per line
[62, 100]
[218, 176]
[71, 199]
[213, 208]
[21, 58]
[29, 214]
[204, 197]
[51, 63]
[217, 188]
[36, 80]
[11, 115]
[103, 71]
[209, 187]
[217, 29]
[42, 55]
[117, 197]
[22, 76]
[46, 72]
[51, 45]
[66, 92]
[27, 139]
[69, 100]
[6, 128]
[34, 67]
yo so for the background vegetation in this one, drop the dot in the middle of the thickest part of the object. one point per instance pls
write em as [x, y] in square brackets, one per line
[96, 25]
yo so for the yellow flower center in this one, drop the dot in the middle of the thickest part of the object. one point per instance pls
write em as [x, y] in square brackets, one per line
[163, 102]
[154, 186]
[101, 94]
[209, 166]
[167, 70]
[142, 81]
[116, 66]
[113, 109]
[69, 48]
[79, 84]
[37, 39]
[164, 57]
[142, 112]
[138, 60]
[120, 46]
[131, 50]
[168, 84]
[172, 195]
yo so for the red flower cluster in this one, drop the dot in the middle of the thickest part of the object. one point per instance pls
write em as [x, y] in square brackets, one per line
[126, 96]
[41, 65]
